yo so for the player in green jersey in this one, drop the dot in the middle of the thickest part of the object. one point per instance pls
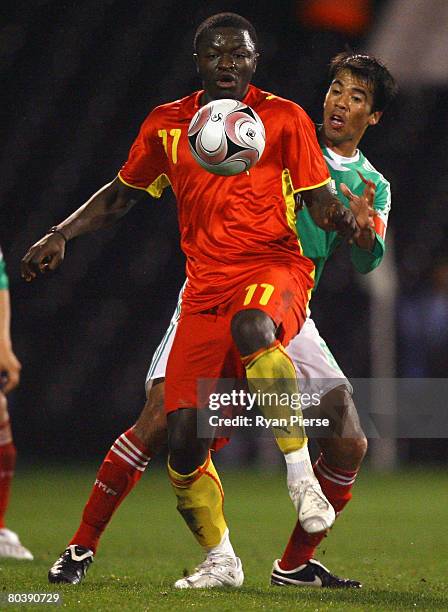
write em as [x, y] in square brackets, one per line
[360, 90]
[10, 546]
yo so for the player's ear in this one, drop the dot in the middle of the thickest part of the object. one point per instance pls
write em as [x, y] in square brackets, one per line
[375, 117]
[257, 55]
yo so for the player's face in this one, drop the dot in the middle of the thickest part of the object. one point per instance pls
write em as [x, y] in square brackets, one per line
[226, 60]
[347, 112]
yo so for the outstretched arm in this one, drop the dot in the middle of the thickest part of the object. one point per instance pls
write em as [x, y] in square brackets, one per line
[367, 251]
[331, 215]
[106, 206]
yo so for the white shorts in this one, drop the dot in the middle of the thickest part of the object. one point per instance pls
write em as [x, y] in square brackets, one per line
[317, 369]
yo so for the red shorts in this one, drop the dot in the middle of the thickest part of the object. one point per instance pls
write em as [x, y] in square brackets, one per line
[203, 348]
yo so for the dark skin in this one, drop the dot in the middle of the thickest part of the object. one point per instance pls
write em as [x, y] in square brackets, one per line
[226, 61]
[350, 102]
[345, 449]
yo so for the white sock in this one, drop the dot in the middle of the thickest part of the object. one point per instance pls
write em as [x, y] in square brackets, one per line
[298, 466]
[223, 548]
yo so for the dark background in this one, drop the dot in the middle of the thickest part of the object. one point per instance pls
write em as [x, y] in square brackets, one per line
[78, 80]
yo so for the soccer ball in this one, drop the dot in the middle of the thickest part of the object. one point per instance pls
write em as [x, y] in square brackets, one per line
[226, 137]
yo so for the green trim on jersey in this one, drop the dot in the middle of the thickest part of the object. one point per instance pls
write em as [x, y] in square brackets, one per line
[158, 353]
[4, 284]
[160, 349]
[318, 244]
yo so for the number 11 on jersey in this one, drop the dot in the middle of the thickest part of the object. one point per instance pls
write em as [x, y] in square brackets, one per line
[175, 134]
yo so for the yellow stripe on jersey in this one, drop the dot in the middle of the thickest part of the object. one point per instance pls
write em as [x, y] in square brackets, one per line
[288, 196]
[291, 216]
[310, 291]
[155, 189]
[313, 186]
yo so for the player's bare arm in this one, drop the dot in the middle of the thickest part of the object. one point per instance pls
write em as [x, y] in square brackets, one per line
[106, 206]
[329, 213]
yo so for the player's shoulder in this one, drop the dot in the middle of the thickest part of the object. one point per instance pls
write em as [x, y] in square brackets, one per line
[173, 110]
[365, 166]
[275, 103]
[383, 191]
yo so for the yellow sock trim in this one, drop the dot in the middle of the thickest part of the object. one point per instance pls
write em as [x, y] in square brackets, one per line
[200, 499]
[184, 480]
[271, 373]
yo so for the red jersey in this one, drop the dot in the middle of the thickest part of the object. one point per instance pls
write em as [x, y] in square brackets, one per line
[230, 226]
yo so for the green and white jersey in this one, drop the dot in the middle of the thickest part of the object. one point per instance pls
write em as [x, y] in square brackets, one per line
[3, 277]
[318, 244]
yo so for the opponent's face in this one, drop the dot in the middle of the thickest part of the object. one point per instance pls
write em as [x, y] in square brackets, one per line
[347, 112]
[226, 60]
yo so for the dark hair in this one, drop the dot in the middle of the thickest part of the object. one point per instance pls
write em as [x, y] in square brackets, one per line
[224, 20]
[371, 70]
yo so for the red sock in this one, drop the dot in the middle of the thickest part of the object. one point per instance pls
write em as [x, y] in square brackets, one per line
[120, 471]
[336, 485]
[7, 464]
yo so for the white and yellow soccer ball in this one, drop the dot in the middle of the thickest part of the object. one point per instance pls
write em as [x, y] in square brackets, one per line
[226, 137]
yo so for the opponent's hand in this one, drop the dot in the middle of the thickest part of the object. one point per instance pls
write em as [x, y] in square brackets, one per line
[47, 254]
[343, 221]
[9, 369]
[363, 211]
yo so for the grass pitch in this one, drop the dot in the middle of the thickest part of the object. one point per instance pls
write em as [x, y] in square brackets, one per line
[393, 538]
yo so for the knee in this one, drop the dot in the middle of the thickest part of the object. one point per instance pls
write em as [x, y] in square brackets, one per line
[347, 446]
[344, 453]
[355, 449]
[252, 330]
[187, 451]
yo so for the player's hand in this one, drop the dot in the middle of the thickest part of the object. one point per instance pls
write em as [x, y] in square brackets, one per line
[47, 254]
[363, 211]
[9, 369]
[343, 221]
[361, 206]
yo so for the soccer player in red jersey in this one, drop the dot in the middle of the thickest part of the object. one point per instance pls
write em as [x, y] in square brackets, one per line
[248, 282]
[10, 546]
[360, 90]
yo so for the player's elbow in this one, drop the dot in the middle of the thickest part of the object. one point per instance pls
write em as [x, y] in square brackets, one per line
[119, 199]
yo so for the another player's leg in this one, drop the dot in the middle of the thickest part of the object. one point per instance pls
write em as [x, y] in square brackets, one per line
[336, 470]
[10, 546]
[271, 372]
[120, 471]
[199, 351]
[122, 468]
[117, 474]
